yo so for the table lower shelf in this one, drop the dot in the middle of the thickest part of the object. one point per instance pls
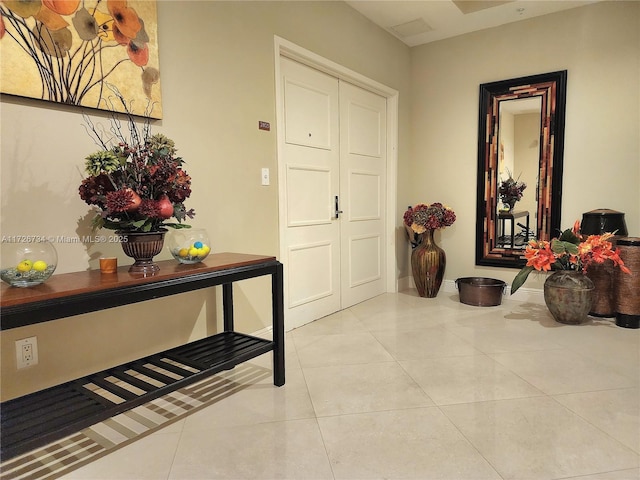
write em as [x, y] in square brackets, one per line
[42, 417]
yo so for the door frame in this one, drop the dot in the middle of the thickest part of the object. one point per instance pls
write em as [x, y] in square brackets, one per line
[290, 50]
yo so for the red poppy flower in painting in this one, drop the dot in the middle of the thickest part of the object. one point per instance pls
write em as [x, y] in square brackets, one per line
[139, 56]
[125, 18]
[62, 7]
[118, 36]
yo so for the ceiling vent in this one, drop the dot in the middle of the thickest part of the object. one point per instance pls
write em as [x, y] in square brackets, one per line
[409, 29]
[470, 6]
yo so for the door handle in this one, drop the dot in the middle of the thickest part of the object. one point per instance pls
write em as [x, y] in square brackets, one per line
[338, 211]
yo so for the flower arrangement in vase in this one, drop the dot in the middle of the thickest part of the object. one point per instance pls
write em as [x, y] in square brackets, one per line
[424, 217]
[428, 260]
[137, 182]
[511, 191]
[569, 256]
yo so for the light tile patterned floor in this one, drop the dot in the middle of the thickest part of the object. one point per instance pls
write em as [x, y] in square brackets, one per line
[396, 387]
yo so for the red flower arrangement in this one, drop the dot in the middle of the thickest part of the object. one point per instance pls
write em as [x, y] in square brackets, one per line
[511, 189]
[137, 184]
[572, 251]
[428, 217]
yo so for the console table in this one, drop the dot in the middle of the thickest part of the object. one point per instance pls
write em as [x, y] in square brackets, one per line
[504, 216]
[39, 418]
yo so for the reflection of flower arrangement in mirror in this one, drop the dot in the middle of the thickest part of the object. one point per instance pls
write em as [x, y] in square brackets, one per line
[71, 44]
[511, 190]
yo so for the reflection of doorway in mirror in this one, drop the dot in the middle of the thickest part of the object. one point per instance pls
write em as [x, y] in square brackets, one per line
[520, 129]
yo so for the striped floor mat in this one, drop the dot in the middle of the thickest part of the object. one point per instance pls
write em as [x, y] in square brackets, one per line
[65, 455]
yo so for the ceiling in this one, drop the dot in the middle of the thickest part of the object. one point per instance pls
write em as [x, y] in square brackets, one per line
[422, 21]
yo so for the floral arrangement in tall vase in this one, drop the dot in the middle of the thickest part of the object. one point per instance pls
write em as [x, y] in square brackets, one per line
[428, 260]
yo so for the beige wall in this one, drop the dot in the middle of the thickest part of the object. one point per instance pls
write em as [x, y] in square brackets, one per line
[217, 70]
[527, 154]
[599, 45]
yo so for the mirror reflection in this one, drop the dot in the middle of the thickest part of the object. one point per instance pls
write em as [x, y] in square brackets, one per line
[518, 158]
[520, 146]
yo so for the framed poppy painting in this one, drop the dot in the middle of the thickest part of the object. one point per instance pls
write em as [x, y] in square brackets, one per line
[89, 53]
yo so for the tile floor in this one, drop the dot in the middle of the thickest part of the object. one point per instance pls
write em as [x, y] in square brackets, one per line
[406, 387]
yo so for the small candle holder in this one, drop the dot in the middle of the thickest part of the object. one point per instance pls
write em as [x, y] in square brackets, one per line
[109, 265]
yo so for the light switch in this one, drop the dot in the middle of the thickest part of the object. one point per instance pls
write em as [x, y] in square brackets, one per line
[265, 176]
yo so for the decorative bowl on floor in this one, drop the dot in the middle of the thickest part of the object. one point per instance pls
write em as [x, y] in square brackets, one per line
[189, 245]
[25, 264]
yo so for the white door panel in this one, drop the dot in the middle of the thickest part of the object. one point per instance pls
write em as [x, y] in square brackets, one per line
[364, 200]
[303, 286]
[364, 130]
[309, 195]
[311, 162]
[364, 250]
[307, 112]
[362, 187]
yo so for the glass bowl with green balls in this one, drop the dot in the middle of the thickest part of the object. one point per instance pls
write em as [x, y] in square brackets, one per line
[26, 260]
[189, 245]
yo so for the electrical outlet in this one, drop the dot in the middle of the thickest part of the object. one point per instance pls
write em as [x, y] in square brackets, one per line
[27, 352]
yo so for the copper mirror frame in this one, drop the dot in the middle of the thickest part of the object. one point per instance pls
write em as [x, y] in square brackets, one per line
[545, 222]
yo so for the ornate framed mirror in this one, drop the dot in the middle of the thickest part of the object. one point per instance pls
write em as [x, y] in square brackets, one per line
[520, 136]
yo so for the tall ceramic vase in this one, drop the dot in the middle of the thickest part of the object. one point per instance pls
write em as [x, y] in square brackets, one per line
[569, 296]
[142, 247]
[428, 262]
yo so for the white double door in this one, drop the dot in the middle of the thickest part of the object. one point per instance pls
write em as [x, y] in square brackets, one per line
[333, 153]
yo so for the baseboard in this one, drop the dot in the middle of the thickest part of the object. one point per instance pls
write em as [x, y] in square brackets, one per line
[265, 332]
[530, 295]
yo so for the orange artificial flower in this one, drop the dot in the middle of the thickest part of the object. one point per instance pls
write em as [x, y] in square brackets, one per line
[539, 255]
[598, 249]
[576, 228]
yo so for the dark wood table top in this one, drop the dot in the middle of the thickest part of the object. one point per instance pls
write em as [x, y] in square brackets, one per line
[89, 281]
[522, 213]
